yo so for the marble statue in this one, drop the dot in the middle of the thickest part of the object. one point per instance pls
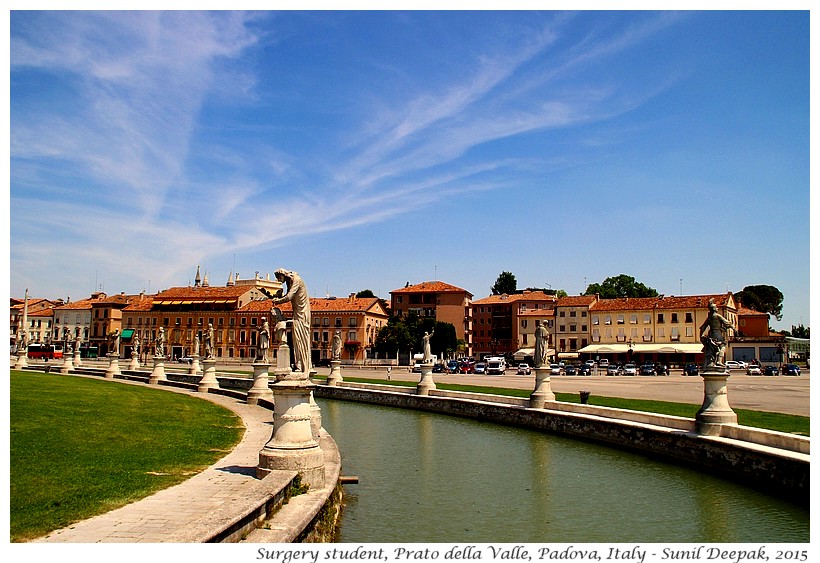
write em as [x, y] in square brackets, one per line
[541, 345]
[159, 343]
[713, 336]
[264, 341]
[425, 340]
[114, 342]
[336, 346]
[280, 326]
[196, 344]
[298, 296]
[209, 342]
[135, 348]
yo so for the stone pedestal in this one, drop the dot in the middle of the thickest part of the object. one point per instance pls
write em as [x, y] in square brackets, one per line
[208, 380]
[715, 410]
[292, 445]
[335, 376]
[113, 366]
[194, 367]
[134, 364]
[542, 392]
[77, 360]
[22, 360]
[426, 383]
[68, 365]
[158, 372]
[261, 384]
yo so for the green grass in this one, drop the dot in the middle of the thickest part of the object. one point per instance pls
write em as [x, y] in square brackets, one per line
[790, 423]
[80, 447]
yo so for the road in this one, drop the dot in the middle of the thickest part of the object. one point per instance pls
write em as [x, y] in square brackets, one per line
[783, 394]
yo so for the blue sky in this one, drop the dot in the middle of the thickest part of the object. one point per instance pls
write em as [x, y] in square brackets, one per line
[371, 149]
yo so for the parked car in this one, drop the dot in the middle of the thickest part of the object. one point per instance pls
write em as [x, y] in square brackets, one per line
[590, 363]
[185, 360]
[613, 369]
[648, 369]
[661, 369]
[438, 368]
[570, 370]
[732, 364]
[630, 369]
[604, 363]
[754, 370]
[452, 366]
[555, 369]
[584, 369]
[791, 369]
[690, 369]
[524, 369]
[770, 370]
[480, 368]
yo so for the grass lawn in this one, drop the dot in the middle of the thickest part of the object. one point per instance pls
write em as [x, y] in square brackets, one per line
[80, 447]
[790, 423]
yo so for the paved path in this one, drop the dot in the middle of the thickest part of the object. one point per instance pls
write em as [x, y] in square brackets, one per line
[186, 512]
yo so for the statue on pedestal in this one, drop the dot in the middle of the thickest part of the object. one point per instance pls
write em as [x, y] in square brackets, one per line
[298, 296]
[713, 336]
[264, 341]
[114, 342]
[425, 342]
[209, 342]
[159, 343]
[541, 345]
[336, 346]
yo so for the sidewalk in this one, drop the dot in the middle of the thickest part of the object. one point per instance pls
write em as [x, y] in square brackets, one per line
[192, 511]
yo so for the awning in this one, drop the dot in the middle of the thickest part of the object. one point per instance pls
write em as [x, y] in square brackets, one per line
[568, 355]
[524, 352]
[127, 333]
[665, 348]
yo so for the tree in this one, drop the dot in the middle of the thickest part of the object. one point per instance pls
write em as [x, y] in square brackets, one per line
[444, 342]
[620, 286]
[800, 331]
[393, 337]
[763, 298]
[505, 283]
[365, 293]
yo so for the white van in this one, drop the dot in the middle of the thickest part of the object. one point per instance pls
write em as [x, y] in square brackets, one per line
[496, 366]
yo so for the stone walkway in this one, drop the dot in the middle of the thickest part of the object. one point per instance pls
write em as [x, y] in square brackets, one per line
[192, 511]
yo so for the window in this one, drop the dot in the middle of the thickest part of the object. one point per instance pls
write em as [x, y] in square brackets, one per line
[572, 313]
[177, 321]
[242, 322]
[352, 321]
[689, 318]
[620, 319]
[690, 331]
[608, 320]
[351, 336]
[583, 313]
[165, 321]
[647, 334]
[594, 320]
[524, 323]
[647, 318]
[674, 317]
[325, 321]
[660, 318]
[633, 319]
[253, 321]
[573, 328]
[338, 322]
[675, 333]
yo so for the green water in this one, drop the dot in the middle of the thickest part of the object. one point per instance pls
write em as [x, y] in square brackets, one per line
[432, 478]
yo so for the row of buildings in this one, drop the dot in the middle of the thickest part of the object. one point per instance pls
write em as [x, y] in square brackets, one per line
[664, 328]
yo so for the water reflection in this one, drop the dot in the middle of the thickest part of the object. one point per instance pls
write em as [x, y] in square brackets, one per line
[433, 478]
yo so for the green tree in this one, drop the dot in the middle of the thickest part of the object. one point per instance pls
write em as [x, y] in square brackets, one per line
[620, 286]
[800, 331]
[365, 293]
[505, 283]
[763, 298]
[393, 337]
[444, 342]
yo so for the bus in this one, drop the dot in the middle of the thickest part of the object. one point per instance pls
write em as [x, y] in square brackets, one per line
[44, 352]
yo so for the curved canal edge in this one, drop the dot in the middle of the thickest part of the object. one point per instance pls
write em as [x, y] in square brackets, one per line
[761, 459]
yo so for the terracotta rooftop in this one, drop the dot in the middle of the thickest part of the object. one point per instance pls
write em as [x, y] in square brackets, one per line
[81, 304]
[576, 300]
[432, 287]
[515, 298]
[661, 302]
[746, 312]
[337, 305]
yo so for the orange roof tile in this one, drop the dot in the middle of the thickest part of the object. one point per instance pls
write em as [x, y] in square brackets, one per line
[660, 302]
[515, 298]
[576, 300]
[339, 305]
[432, 287]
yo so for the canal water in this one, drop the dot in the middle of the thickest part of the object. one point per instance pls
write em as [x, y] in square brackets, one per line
[434, 478]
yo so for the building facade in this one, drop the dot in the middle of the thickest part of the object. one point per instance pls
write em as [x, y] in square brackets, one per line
[440, 301]
[501, 321]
